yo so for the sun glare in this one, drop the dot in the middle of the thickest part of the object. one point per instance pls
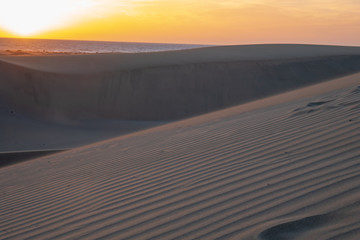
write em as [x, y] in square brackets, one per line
[29, 17]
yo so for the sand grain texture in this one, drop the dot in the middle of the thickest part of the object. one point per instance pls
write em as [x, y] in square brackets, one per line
[286, 167]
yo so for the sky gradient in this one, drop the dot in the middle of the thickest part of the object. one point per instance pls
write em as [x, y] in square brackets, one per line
[185, 21]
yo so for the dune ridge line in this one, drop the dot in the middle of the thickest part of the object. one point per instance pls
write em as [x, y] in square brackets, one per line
[165, 85]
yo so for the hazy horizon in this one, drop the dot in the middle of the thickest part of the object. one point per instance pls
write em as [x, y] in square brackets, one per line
[326, 22]
[179, 43]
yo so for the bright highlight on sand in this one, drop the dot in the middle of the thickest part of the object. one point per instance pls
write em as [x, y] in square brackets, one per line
[25, 18]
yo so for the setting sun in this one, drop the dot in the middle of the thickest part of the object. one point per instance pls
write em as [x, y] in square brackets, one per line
[26, 18]
[184, 21]
[179, 119]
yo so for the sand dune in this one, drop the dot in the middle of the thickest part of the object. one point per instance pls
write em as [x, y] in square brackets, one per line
[9, 158]
[164, 85]
[285, 167]
[20, 132]
[101, 63]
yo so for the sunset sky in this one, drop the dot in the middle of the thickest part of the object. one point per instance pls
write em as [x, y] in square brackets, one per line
[185, 21]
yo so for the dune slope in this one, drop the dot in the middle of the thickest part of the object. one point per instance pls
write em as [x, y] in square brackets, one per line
[254, 171]
[166, 85]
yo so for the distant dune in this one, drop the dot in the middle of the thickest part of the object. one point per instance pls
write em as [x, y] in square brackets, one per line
[164, 85]
[283, 167]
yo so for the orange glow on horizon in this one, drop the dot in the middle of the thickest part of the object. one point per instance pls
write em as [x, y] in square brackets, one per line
[187, 21]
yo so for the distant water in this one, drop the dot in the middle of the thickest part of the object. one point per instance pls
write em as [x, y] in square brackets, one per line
[70, 46]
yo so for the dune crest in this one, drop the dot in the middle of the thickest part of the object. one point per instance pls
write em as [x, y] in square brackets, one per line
[279, 167]
[166, 85]
[254, 171]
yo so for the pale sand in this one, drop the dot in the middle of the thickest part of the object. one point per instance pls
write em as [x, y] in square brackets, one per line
[282, 167]
[285, 167]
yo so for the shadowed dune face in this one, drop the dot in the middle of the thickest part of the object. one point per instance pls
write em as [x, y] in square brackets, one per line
[313, 227]
[224, 175]
[8, 158]
[162, 93]
[287, 231]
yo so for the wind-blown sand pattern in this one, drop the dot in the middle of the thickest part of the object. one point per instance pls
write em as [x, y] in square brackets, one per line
[282, 167]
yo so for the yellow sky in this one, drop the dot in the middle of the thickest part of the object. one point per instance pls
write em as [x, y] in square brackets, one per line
[185, 21]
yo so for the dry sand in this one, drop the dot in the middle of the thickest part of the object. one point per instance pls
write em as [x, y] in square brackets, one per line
[282, 167]
[165, 85]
